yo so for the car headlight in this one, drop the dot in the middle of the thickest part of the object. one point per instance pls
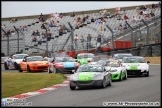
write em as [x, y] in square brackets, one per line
[74, 77]
[34, 64]
[113, 70]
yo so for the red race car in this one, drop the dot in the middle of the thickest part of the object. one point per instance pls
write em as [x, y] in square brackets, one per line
[62, 64]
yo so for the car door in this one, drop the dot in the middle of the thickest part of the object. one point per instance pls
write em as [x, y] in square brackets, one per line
[23, 64]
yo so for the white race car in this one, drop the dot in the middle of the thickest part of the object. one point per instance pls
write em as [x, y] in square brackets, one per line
[136, 65]
[13, 61]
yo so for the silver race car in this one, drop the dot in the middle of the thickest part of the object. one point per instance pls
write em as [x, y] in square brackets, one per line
[90, 75]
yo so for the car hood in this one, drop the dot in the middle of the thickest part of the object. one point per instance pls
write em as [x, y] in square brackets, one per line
[40, 62]
[68, 64]
[85, 76]
[84, 59]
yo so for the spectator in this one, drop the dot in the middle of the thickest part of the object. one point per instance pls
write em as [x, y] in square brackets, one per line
[3, 26]
[56, 15]
[120, 27]
[141, 12]
[101, 12]
[134, 19]
[97, 21]
[145, 12]
[92, 19]
[43, 35]
[60, 15]
[98, 40]
[153, 6]
[34, 39]
[25, 28]
[103, 20]
[41, 17]
[124, 12]
[152, 13]
[33, 34]
[52, 23]
[73, 14]
[125, 17]
[89, 41]
[43, 26]
[101, 29]
[61, 31]
[82, 41]
[14, 19]
[159, 5]
[139, 19]
[37, 33]
[119, 17]
[12, 33]
[115, 30]
[39, 40]
[144, 8]
[49, 35]
[125, 26]
[57, 24]
[75, 41]
[8, 32]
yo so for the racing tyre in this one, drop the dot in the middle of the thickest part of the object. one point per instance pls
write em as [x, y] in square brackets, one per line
[147, 75]
[121, 78]
[125, 76]
[16, 66]
[54, 70]
[49, 71]
[72, 87]
[19, 68]
[28, 69]
[110, 82]
[104, 83]
[5, 66]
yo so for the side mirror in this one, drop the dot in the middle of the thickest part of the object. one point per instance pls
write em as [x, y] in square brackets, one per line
[88, 61]
[148, 61]
[24, 60]
[76, 60]
[73, 71]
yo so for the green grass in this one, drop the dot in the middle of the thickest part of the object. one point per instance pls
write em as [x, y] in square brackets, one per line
[18, 83]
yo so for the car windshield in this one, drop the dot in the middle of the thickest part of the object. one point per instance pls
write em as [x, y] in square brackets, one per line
[121, 56]
[85, 56]
[90, 68]
[65, 59]
[107, 62]
[38, 58]
[19, 56]
[133, 60]
[114, 64]
[96, 59]
[59, 55]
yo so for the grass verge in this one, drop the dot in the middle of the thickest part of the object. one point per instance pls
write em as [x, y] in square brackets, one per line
[18, 83]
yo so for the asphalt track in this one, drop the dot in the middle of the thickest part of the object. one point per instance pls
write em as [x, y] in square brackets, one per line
[134, 89]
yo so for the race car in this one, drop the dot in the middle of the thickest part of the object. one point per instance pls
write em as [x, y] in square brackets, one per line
[62, 64]
[13, 61]
[136, 65]
[118, 72]
[90, 75]
[84, 58]
[58, 54]
[97, 58]
[120, 56]
[33, 63]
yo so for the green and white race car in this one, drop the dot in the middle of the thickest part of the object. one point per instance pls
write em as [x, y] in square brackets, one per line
[136, 65]
[118, 72]
[90, 75]
[83, 58]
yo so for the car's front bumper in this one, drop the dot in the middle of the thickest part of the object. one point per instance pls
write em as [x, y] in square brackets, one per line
[86, 83]
[115, 76]
[136, 72]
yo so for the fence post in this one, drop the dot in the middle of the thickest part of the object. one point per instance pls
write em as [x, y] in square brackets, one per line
[17, 39]
[147, 31]
[72, 35]
[112, 38]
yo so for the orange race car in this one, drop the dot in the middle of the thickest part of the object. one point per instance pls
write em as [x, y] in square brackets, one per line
[33, 63]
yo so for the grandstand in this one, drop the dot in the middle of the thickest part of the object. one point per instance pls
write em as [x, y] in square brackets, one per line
[64, 42]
